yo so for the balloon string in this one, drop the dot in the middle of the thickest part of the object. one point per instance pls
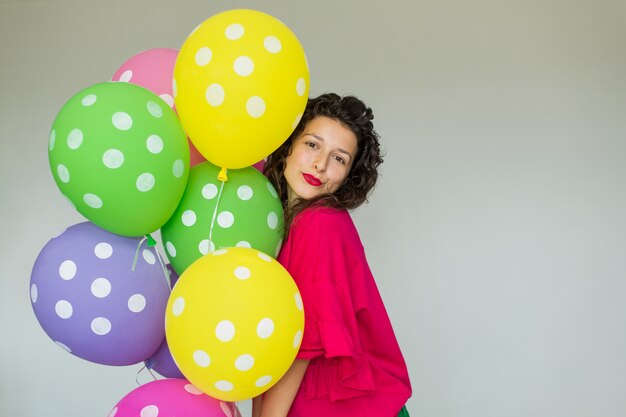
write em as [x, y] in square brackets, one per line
[152, 243]
[166, 273]
[219, 197]
[137, 253]
[139, 372]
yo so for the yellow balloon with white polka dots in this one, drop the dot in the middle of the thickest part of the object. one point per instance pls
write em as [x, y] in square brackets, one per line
[241, 83]
[234, 323]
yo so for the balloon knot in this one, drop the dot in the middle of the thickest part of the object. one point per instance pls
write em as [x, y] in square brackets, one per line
[151, 242]
[222, 175]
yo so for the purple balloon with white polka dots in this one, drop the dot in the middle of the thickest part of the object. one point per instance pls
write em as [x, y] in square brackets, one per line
[91, 303]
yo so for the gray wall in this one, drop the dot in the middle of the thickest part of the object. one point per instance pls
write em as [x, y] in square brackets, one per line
[497, 234]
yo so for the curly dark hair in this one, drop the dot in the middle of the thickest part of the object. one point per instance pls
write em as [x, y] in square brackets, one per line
[353, 114]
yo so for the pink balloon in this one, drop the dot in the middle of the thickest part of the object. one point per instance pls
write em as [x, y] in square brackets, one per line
[152, 69]
[260, 165]
[171, 398]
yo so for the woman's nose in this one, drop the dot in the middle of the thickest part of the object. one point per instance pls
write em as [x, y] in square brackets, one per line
[320, 165]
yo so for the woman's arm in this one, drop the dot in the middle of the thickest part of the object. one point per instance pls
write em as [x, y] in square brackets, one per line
[277, 400]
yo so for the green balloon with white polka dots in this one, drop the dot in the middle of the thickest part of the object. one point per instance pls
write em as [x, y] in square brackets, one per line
[249, 214]
[119, 154]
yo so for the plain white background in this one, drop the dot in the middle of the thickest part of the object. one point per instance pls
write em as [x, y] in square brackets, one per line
[497, 233]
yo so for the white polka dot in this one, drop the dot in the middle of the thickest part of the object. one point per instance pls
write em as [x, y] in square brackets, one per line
[178, 306]
[245, 192]
[178, 168]
[224, 386]
[242, 272]
[234, 31]
[225, 219]
[272, 44]
[193, 390]
[145, 182]
[100, 326]
[296, 121]
[113, 158]
[298, 300]
[154, 109]
[67, 270]
[63, 346]
[244, 362]
[265, 257]
[271, 189]
[265, 328]
[243, 66]
[103, 250]
[209, 191]
[149, 411]
[33, 293]
[300, 87]
[168, 99]
[225, 330]
[64, 309]
[297, 339]
[136, 303]
[63, 173]
[189, 218]
[92, 200]
[88, 100]
[154, 143]
[215, 95]
[226, 409]
[126, 76]
[263, 381]
[201, 358]
[255, 106]
[171, 249]
[100, 287]
[206, 246]
[75, 139]
[243, 244]
[122, 120]
[272, 220]
[219, 252]
[148, 256]
[52, 140]
[203, 56]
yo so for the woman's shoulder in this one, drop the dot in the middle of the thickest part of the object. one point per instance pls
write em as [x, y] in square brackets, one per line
[320, 215]
[326, 225]
[322, 218]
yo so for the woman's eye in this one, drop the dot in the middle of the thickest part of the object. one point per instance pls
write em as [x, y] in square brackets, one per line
[340, 160]
[310, 144]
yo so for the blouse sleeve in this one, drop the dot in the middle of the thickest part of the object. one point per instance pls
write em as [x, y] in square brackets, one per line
[325, 259]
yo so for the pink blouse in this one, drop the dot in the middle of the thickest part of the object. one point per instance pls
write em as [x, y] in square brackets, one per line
[356, 366]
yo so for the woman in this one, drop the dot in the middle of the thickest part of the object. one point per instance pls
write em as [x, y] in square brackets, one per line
[349, 363]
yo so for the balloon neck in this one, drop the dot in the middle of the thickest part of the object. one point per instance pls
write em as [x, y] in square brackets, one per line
[222, 175]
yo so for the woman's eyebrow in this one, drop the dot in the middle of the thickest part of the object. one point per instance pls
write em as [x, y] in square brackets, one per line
[318, 137]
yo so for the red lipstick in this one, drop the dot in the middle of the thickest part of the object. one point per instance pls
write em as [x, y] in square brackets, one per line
[312, 180]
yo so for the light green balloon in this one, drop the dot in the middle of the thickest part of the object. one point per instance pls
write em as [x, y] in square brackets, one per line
[249, 214]
[119, 154]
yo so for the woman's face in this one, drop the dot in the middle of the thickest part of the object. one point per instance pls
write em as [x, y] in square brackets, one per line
[320, 159]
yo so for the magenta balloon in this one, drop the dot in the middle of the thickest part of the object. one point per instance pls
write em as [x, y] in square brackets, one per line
[90, 302]
[171, 398]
